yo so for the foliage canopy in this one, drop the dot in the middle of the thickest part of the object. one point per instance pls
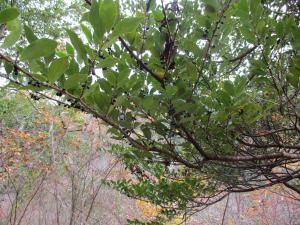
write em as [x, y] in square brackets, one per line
[203, 94]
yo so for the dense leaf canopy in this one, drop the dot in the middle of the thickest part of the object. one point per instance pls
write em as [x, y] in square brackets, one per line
[204, 95]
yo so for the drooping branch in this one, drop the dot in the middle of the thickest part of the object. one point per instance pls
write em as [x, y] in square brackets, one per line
[135, 143]
[66, 93]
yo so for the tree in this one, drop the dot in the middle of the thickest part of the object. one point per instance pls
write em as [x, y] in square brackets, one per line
[51, 168]
[204, 95]
[37, 13]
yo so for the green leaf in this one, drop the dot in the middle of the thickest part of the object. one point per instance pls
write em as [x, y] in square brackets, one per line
[261, 26]
[242, 11]
[30, 36]
[293, 80]
[127, 25]
[190, 45]
[296, 39]
[102, 100]
[146, 131]
[121, 101]
[279, 28]
[148, 102]
[8, 14]
[108, 13]
[75, 80]
[256, 10]
[78, 44]
[70, 49]
[248, 34]
[57, 68]
[104, 85]
[73, 67]
[229, 87]
[108, 62]
[171, 90]
[96, 21]
[39, 48]
[241, 83]
[211, 6]
[8, 67]
[221, 116]
[224, 97]
[85, 16]
[15, 28]
[86, 32]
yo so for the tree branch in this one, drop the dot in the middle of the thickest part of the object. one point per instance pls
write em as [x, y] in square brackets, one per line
[241, 56]
[141, 63]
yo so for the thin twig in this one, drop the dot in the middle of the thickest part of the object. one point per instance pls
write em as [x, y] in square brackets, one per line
[224, 213]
